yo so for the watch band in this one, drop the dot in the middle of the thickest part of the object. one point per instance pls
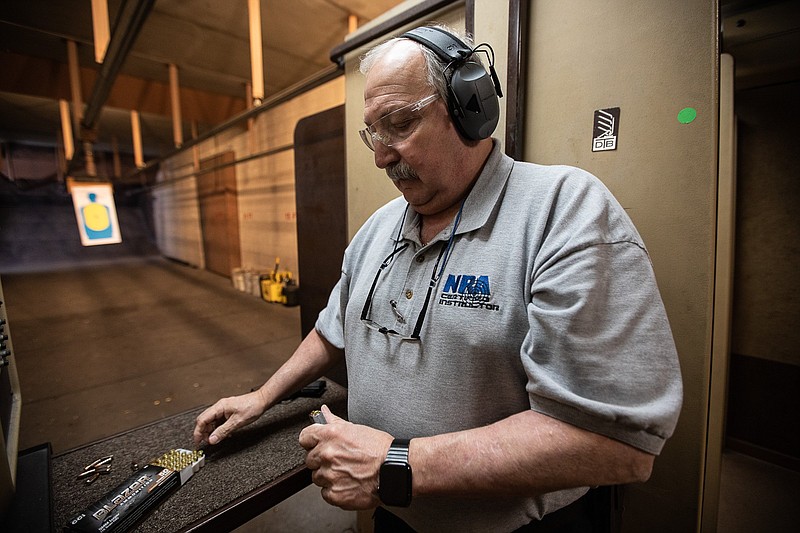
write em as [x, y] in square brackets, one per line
[398, 451]
[394, 481]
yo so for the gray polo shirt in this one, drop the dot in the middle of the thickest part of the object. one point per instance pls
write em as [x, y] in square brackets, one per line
[547, 301]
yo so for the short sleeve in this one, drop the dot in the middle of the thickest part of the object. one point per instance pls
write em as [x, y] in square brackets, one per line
[330, 322]
[600, 353]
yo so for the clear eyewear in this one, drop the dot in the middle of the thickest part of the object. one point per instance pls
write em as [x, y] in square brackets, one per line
[435, 276]
[395, 126]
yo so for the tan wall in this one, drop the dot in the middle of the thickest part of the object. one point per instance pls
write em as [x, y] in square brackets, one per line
[491, 26]
[265, 186]
[267, 210]
[176, 215]
[767, 291]
[651, 59]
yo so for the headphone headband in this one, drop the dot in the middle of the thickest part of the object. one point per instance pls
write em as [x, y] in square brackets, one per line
[447, 46]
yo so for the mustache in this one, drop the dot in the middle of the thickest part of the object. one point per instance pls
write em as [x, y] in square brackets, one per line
[401, 171]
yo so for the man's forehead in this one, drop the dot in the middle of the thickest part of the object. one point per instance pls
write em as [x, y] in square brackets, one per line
[390, 93]
[400, 52]
[397, 78]
[381, 104]
[383, 94]
[401, 68]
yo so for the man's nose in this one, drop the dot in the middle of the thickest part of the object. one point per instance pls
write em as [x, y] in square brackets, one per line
[385, 155]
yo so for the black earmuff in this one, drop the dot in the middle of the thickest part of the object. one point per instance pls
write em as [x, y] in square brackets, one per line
[473, 92]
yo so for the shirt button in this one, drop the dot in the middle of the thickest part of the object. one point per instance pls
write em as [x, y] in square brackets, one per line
[409, 294]
[420, 258]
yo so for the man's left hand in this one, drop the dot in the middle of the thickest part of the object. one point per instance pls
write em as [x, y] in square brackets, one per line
[345, 460]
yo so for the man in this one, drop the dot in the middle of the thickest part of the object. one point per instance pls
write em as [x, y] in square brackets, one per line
[503, 316]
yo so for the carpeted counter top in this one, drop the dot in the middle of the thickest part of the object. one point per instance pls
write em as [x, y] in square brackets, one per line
[256, 460]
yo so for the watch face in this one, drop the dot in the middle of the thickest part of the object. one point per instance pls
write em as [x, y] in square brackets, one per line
[395, 484]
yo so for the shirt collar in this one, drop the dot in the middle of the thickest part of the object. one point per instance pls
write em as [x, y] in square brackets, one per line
[486, 191]
[479, 204]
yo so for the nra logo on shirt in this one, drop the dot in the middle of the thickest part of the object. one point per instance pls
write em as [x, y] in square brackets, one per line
[466, 290]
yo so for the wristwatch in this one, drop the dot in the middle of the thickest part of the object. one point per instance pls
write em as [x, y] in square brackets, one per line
[394, 482]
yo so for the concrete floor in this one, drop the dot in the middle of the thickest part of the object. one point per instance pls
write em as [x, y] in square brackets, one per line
[757, 496]
[104, 348]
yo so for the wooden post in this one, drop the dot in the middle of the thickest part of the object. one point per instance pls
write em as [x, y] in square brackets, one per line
[66, 129]
[175, 104]
[100, 26]
[256, 60]
[136, 130]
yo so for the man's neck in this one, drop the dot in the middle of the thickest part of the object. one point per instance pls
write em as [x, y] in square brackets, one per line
[432, 224]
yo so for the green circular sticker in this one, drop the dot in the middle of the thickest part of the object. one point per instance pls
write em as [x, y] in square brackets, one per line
[687, 115]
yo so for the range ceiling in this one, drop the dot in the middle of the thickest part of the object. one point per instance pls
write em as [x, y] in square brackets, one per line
[207, 40]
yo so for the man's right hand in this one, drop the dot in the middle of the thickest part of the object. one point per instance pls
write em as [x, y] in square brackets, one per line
[227, 415]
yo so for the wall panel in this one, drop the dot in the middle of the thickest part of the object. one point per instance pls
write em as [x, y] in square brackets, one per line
[265, 186]
[650, 59]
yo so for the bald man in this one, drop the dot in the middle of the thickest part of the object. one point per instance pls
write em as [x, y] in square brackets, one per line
[506, 344]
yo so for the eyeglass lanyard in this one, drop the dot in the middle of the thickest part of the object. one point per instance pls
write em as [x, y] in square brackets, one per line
[445, 252]
[449, 243]
[386, 262]
[434, 277]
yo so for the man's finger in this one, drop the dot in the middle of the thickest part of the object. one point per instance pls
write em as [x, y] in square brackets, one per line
[200, 435]
[219, 434]
[329, 416]
[308, 437]
[205, 423]
[222, 432]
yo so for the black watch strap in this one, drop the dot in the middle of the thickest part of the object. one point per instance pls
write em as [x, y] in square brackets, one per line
[398, 451]
[394, 482]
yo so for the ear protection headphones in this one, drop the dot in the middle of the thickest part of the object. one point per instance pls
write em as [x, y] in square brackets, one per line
[472, 92]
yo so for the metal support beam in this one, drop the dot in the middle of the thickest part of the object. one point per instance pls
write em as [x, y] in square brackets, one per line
[516, 84]
[126, 29]
[117, 161]
[75, 84]
[88, 158]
